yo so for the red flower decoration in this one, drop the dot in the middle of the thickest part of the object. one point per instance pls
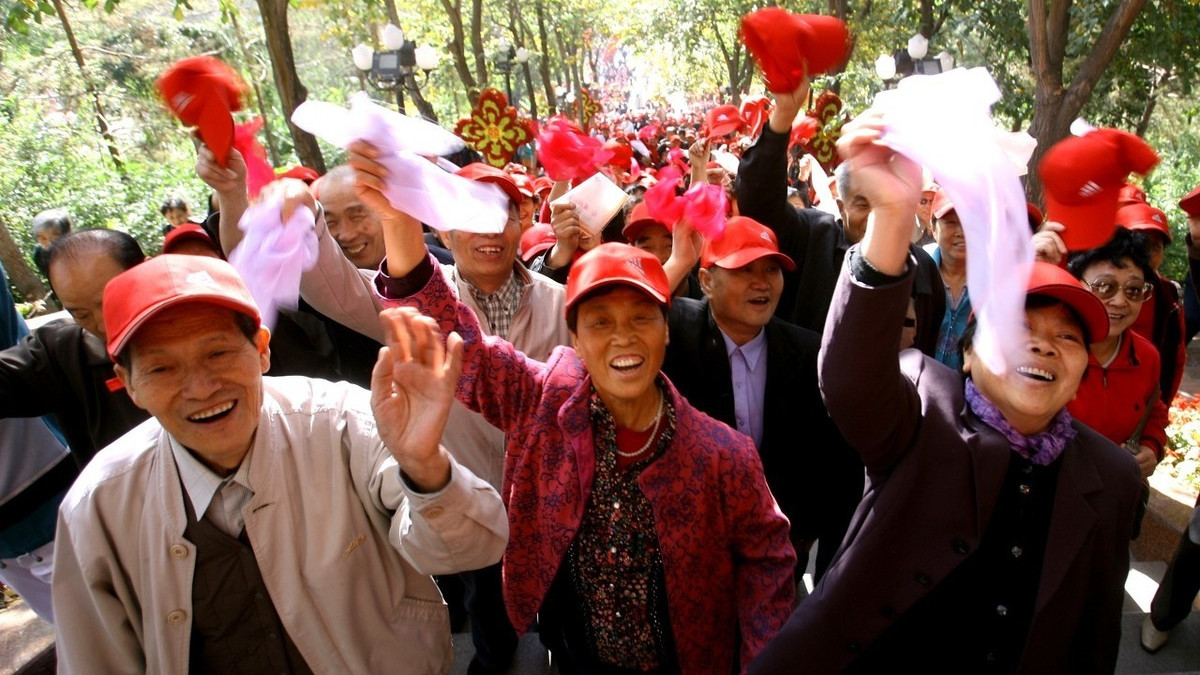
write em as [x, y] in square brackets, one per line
[586, 108]
[494, 128]
[662, 201]
[703, 205]
[823, 145]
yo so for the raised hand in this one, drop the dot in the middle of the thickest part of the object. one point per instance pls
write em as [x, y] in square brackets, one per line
[1048, 245]
[564, 218]
[412, 389]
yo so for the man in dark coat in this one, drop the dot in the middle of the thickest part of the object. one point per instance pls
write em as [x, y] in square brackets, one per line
[813, 238]
[62, 367]
[738, 363]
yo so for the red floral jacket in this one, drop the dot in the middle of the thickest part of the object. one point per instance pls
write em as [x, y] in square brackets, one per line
[724, 542]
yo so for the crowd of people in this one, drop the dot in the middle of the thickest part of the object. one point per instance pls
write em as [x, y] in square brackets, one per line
[633, 439]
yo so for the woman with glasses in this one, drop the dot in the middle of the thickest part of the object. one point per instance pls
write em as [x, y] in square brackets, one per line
[1119, 395]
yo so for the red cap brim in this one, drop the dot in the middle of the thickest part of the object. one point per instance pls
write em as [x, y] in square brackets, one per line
[1087, 225]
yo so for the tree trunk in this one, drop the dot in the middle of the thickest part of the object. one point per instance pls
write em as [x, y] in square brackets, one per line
[1056, 103]
[481, 69]
[101, 118]
[28, 284]
[1156, 83]
[424, 108]
[272, 146]
[458, 50]
[544, 61]
[291, 92]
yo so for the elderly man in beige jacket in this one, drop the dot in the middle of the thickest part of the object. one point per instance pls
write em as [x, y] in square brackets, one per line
[263, 524]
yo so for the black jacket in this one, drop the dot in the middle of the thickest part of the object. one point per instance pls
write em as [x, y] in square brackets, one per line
[816, 478]
[817, 243]
[60, 369]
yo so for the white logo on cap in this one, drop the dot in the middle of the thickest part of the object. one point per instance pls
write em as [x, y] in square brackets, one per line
[765, 237]
[637, 262]
[1156, 218]
[182, 100]
[201, 278]
[1089, 189]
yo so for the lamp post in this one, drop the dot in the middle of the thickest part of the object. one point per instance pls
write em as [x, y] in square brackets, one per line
[394, 68]
[509, 57]
[891, 68]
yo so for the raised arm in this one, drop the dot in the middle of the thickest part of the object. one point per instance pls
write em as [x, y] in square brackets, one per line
[761, 183]
[874, 405]
[229, 182]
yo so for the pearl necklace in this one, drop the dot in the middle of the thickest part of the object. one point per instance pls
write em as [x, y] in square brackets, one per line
[653, 433]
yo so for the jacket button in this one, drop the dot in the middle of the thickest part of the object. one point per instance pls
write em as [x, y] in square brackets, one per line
[176, 617]
[888, 612]
[178, 551]
[923, 580]
[432, 512]
[1001, 610]
[853, 647]
[960, 546]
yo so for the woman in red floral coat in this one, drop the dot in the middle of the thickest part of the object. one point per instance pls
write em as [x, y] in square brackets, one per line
[643, 537]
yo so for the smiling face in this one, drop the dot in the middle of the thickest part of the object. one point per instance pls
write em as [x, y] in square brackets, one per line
[352, 224]
[621, 337]
[948, 232]
[743, 299]
[486, 260]
[655, 238]
[194, 370]
[1122, 312]
[1044, 378]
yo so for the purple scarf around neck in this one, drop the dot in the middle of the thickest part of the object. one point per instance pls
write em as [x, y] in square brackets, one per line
[1042, 448]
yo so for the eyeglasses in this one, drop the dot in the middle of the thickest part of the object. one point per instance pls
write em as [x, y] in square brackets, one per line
[1106, 288]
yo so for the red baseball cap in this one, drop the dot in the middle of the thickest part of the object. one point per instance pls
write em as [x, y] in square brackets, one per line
[539, 237]
[1131, 194]
[542, 184]
[1141, 217]
[301, 173]
[189, 232]
[202, 92]
[723, 120]
[640, 219]
[1053, 281]
[941, 204]
[134, 296]
[615, 263]
[1083, 176]
[486, 173]
[743, 241]
[524, 184]
[787, 46]
[1191, 203]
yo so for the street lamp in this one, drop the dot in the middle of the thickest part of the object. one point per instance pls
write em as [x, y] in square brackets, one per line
[509, 57]
[911, 60]
[393, 68]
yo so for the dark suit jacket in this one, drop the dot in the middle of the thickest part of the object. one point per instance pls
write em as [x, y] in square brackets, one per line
[934, 472]
[817, 243]
[816, 478]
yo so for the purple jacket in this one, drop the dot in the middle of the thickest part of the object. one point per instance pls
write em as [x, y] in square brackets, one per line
[724, 542]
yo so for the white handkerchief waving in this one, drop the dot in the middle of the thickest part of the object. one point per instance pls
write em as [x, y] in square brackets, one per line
[273, 254]
[414, 185]
[944, 123]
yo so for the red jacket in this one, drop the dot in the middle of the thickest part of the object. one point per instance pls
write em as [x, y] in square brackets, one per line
[724, 542]
[1162, 322]
[1113, 400]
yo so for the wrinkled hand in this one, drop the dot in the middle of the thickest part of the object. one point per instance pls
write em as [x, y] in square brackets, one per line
[371, 179]
[224, 180]
[1147, 460]
[787, 106]
[292, 193]
[412, 389]
[1048, 245]
[686, 244]
[890, 181]
[699, 152]
[568, 229]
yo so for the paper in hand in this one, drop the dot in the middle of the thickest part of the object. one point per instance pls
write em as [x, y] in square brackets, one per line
[596, 201]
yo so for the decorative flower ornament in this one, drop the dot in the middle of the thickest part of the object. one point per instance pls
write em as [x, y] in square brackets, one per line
[586, 109]
[827, 111]
[494, 129]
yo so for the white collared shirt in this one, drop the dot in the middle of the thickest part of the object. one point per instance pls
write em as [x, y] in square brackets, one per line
[219, 499]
